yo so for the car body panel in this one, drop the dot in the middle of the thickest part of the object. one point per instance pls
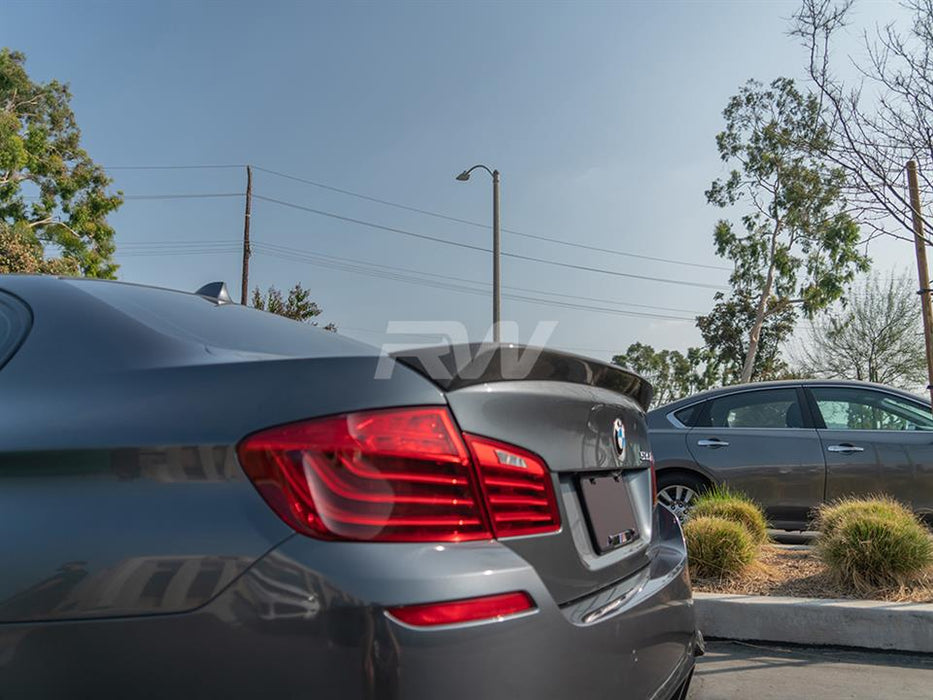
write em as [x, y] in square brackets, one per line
[891, 463]
[139, 558]
[309, 618]
[868, 462]
[126, 531]
[782, 469]
[669, 447]
[146, 482]
[571, 431]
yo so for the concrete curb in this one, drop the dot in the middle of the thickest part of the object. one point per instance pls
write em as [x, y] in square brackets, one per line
[817, 621]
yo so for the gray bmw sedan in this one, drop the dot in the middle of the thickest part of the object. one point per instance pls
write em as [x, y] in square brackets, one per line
[198, 499]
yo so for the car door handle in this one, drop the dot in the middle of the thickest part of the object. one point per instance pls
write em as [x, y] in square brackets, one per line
[715, 442]
[845, 448]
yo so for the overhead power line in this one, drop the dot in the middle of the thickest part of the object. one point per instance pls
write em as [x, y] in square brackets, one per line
[614, 273]
[198, 195]
[174, 248]
[477, 224]
[193, 195]
[404, 232]
[390, 229]
[425, 212]
[309, 259]
[175, 167]
[445, 277]
[189, 251]
[181, 243]
[184, 247]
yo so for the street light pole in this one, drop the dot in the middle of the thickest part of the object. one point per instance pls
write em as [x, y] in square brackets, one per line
[496, 295]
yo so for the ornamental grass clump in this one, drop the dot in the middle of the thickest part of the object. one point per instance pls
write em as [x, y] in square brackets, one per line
[871, 545]
[721, 502]
[829, 516]
[717, 547]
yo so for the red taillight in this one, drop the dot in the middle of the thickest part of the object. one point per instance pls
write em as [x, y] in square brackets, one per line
[401, 475]
[517, 488]
[470, 610]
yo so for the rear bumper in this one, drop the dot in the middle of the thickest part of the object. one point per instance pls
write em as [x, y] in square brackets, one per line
[309, 619]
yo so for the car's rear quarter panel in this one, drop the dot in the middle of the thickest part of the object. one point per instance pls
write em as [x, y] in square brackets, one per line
[669, 446]
[120, 492]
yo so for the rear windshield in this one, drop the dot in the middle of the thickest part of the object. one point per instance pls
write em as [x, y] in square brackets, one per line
[15, 321]
[229, 326]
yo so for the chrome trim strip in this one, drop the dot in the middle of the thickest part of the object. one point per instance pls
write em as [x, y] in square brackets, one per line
[610, 607]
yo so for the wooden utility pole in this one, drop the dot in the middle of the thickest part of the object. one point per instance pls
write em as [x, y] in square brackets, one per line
[244, 278]
[923, 272]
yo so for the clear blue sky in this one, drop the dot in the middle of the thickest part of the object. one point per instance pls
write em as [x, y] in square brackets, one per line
[600, 116]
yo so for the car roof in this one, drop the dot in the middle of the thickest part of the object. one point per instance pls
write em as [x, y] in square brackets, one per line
[777, 384]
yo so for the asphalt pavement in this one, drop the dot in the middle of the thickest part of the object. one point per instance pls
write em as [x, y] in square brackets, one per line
[737, 670]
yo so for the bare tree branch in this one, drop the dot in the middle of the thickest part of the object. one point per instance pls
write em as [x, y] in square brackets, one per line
[877, 133]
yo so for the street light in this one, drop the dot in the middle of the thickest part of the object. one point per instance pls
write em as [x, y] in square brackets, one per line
[463, 177]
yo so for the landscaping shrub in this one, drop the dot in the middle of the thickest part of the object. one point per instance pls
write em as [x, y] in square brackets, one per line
[881, 546]
[717, 547]
[720, 502]
[829, 516]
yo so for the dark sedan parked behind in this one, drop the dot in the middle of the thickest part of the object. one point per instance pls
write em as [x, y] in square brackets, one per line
[794, 445]
[198, 499]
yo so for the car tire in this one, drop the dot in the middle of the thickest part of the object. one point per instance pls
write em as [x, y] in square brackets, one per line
[677, 490]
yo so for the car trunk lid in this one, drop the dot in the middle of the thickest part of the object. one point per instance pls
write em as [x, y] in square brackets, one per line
[585, 419]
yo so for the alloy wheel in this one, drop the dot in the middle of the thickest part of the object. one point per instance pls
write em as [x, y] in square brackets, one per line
[679, 499]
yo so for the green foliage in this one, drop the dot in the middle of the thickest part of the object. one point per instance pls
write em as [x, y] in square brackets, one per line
[673, 374]
[717, 547]
[22, 252]
[721, 502]
[297, 306]
[795, 244]
[829, 516]
[877, 337]
[869, 545]
[40, 148]
[725, 332]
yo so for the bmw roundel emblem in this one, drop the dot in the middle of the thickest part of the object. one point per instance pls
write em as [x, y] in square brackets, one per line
[618, 432]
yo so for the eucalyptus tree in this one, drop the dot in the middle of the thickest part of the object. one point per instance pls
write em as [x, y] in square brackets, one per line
[672, 373]
[794, 245]
[53, 196]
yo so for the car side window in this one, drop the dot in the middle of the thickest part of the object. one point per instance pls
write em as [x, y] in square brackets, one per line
[768, 408]
[866, 409]
[687, 416]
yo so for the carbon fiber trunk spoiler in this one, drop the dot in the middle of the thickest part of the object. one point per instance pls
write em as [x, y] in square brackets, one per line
[453, 367]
